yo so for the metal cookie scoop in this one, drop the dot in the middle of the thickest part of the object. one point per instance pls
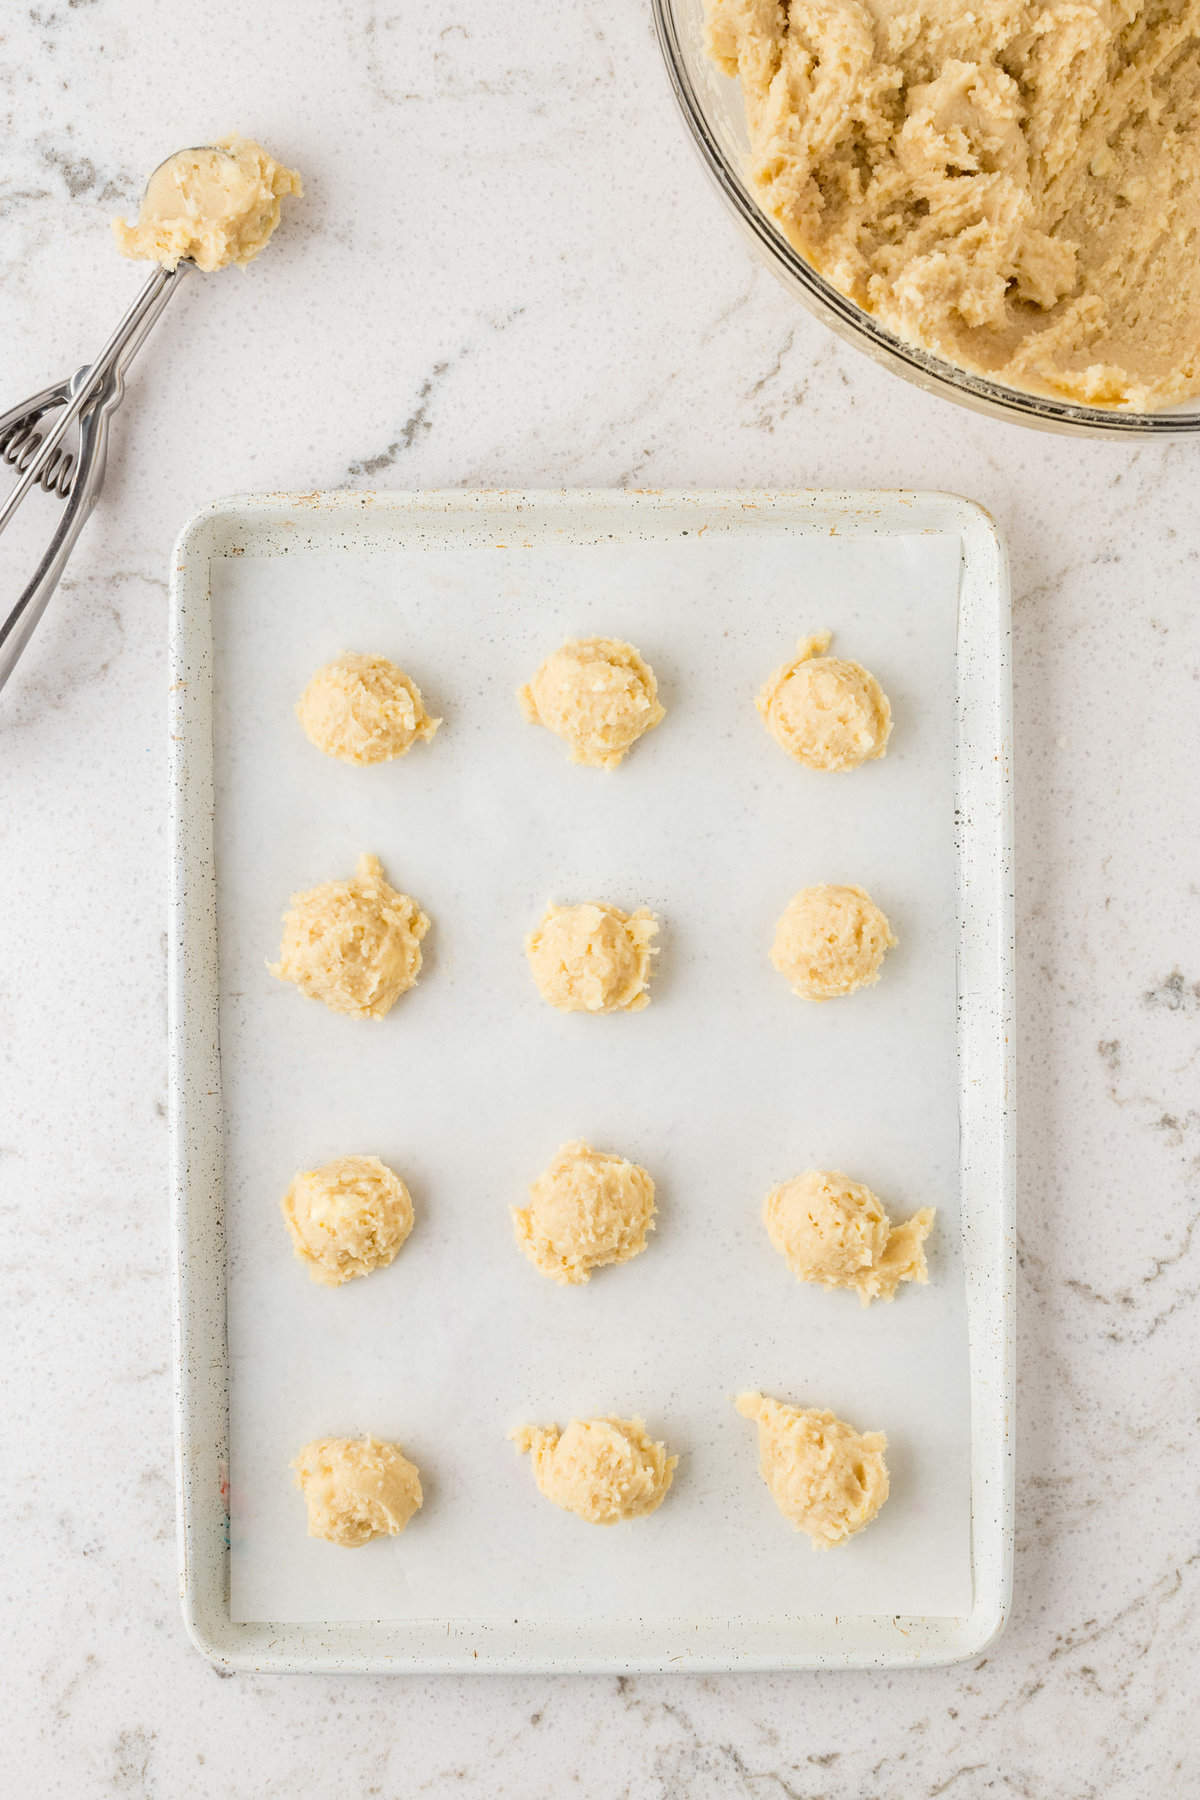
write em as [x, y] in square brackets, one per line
[67, 457]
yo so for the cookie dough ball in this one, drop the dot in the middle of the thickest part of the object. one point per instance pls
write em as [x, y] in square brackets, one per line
[363, 709]
[830, 941]
[826, 1478]
[606, 1470]
[357, 1489]
[217, 204]
[593, 958]
[827, 713]
[598, 694]
[835, 1232]
[356, 945]
[826, 1227]
[588, 1209]
[347, 1218]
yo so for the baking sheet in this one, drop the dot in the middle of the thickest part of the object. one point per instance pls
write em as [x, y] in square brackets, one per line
[723, 1086]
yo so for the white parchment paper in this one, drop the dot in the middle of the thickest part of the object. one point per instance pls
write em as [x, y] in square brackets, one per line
[723, 1086]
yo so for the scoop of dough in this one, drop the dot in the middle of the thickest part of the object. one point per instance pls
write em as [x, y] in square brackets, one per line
[363, 709]
[593, 958]
[598, 694]
[826, 1478]
[830, 941]
[589, 1209]
[217, 205]
[606, 1470]
[347, 1218]
[825, 712]
[834, 1231]
[356, 945]
[357, 1489]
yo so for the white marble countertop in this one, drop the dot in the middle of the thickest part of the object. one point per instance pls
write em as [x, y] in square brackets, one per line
[509, 270]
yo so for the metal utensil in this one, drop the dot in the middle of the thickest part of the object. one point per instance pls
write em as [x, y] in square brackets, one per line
[69, 463]
[68, 459]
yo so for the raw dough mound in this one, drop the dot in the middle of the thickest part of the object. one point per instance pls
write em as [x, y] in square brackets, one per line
[357, 1489]
[1014, 185]
[347, 1217]
[830, 941]
[825, 712]
[606, 1470]
[824, 1476]
[598, 694]
[589, 1209]
[356, 944]
[834, 1231]
[593, 958]
[217, 205]
[363, 709]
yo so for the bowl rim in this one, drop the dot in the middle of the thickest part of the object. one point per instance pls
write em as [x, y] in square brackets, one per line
[933, 373]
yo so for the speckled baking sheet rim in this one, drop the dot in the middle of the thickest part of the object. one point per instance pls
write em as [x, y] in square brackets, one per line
[985, 1050]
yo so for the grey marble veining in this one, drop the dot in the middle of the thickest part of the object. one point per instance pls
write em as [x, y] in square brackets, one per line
[509, 270]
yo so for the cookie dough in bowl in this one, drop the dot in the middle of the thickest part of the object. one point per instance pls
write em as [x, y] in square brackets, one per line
[357, 1489]
[830, 941]
[213, 206]
[593, 958]
[354, 945]
[599, 695]
[364, 709]
[827, 1479]
[825, 712]
[604, 1470]
[835, 1232]
[588, 1209]
[1012, 186]
[347, 1218]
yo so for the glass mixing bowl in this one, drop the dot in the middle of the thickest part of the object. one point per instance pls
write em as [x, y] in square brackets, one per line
[711, 105]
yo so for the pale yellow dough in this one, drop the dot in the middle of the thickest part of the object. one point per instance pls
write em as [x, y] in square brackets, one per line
[835, 1232]
[355, 945]
[363, 709]
[589, 1209]
[593, 958]
[1012, 184]
[830, 941]
[827, 713]
[214, 206]
[347, 1218]
[598, 694]
[826, 1478]
[357, 1489]
[605, 1470]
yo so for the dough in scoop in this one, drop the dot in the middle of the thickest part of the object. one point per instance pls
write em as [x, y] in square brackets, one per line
[215, 205]
[589, 1209]
[825, 712]
[357, 1489]
[606, 1470]
[363, 709]
[826, 1478]
[347, 1218]
[835, 1232]
[356, 945]
[830, 941]
[593, 958]
[598, 694]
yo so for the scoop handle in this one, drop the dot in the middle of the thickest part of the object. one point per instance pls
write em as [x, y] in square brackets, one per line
[91, 397]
